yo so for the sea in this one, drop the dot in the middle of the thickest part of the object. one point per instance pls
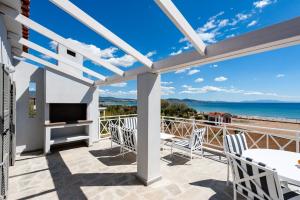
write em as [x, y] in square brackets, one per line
[270, 110]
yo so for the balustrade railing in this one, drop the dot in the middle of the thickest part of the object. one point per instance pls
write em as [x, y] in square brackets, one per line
[257, 136]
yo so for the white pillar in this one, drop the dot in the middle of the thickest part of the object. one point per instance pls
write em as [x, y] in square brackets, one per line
[148, 109]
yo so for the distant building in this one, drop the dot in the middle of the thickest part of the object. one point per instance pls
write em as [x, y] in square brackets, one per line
[219, 117]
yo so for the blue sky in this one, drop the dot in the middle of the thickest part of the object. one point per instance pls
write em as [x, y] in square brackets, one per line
[270, 75]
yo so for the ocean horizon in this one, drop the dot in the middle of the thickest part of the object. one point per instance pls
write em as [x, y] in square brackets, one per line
[272, 110]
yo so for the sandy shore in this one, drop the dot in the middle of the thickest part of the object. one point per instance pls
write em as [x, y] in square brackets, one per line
[270, 124]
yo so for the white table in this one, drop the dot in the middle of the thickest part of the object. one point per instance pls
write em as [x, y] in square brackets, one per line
[285, 162]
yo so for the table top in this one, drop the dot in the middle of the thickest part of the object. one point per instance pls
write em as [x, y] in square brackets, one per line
[166, 136]
[285, 162]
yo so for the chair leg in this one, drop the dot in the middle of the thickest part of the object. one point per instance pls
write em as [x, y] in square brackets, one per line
[234, 193]
[111, 143]
[227, 182]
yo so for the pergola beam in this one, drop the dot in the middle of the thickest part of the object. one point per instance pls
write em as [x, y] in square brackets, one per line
[58, 57]
[277, 36]
[15, 15]
[94, 25]
[182, 24]
[55, 67]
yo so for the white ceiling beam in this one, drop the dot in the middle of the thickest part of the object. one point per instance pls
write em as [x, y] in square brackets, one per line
[94, 25]
[182, 24]
[55, 67]
[277, 36]
[15, 15]
[58, 57]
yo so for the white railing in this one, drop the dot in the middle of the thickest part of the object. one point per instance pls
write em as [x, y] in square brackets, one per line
[257, 136]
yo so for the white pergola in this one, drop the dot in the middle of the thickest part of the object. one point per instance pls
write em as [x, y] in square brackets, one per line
[280, 35]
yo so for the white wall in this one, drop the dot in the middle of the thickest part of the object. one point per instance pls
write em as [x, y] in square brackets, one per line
[29, 131]
[5, 49]
[61, 88]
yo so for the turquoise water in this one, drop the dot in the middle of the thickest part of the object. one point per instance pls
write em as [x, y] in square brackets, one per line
[274, 110]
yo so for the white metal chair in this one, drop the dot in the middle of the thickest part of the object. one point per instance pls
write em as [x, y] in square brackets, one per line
[235, 143]
[257, 181]
[116, 136]
[130, 122]
[193, 144]
[129, 139]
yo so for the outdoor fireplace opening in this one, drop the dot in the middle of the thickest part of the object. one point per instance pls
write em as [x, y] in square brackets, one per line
[68, 113]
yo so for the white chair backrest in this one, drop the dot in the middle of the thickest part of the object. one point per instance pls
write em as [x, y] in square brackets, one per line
[114, 130]
[129, 138]
[235, 143]
[197, 138]
[130, 122]
[254, 180]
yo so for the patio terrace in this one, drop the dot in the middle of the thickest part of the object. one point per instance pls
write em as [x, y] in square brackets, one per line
[98, 172]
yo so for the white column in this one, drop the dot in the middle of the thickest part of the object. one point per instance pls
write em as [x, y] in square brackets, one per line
[148, 109]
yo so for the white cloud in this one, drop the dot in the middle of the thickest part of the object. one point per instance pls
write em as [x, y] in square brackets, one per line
[122, 84]
[199, 80]
[176, 52]
[280, 75]
[166, 82]
[262, 3]
[107, 92]
[45, 57]
[221, 78]
[202, 90]
[230, 36]
[208, 37]
[241, 16]
[252, 23]
[206, 89]
[210, 24]
[261, 93]
[193, 71]
[53, 45]
[223, 22]
[123, 61]
[151, 53]
[214, 66]
[167, 90]
[181, 71]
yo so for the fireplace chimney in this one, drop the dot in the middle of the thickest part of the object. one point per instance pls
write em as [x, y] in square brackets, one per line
[71, 55]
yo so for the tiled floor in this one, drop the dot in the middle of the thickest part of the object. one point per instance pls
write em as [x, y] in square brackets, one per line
[98, 172]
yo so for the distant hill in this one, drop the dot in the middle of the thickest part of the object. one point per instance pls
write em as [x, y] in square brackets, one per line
[187, 101]
[114, 99]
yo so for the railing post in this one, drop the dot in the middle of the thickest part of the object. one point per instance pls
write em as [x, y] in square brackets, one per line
[162, 124]
[119, 121]
[268, 138]
[99, 126]
[194, 124]
[297, 141]
[224, 134]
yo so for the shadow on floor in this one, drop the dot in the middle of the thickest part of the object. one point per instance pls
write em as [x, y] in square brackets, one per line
[112, 156]
[222, 191]
[68, 185]
[176, 159]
